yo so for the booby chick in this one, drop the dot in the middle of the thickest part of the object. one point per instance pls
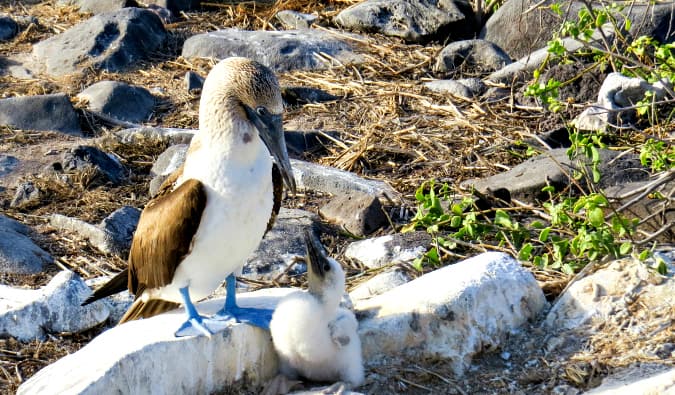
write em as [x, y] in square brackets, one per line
[212, 213]
[314, 337]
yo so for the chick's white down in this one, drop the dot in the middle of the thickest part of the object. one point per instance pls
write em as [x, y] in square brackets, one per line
[314, 337]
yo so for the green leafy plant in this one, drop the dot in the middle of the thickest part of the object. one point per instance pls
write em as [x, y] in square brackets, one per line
[657, 155]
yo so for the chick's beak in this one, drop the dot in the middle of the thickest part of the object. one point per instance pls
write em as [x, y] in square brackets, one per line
[271, 129]
[315, 256]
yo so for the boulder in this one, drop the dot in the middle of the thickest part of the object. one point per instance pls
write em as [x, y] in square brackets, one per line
[357, 213]
[416, 21]
[167, 162]
[42, 112]
[144, 135]
[299, 95]
[466, 87]
[84, 157]
[110, 41]
[7, 164]
[28, 314]
[144, 356]
[119, 100]
[295, 20]
[98, 6]
[641, 379]
[525, 181]
[26, 195]
[521, 26]
[472, 54]
[389, 250]
[8, 28]
[18, 253]
[450, 314]
[193, 82]
[279, 50]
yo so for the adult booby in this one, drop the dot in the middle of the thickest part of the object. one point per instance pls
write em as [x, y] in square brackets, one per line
[212, 212]
[314, 337]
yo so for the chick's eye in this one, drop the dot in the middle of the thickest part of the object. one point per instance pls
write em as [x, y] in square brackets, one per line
[326, 267]
[262, 111]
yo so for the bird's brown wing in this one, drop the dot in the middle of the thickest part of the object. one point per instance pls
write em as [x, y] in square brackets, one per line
[164, 236]
[278, 189]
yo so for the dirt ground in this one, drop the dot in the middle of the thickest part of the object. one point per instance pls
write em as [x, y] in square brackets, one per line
[389, 128]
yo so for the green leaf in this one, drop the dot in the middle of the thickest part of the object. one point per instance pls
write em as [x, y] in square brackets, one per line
[644, 255]
[502, 218]
[543, 236]
[525, 252]
[596, 217]
[625, 248]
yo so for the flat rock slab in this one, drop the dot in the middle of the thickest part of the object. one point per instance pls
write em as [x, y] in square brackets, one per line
[279, 50]
[119, 100]
[110, 41]
[412, 20]
[28, 314]
[42, 112]
[606, 295]
[18, 253]
[358, 213]
[389, 250]
[525, 181]
[144, 357]
[479, 54]
[466, 88]
[316, 177]
[452, 313]
[638, 380]
[144, 135]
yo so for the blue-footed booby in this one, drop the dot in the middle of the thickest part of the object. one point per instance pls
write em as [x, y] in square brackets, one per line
[315, 338]
[211, 213]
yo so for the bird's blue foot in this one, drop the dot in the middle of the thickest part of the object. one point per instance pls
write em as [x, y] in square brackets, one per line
[250, 315]
[196, 325]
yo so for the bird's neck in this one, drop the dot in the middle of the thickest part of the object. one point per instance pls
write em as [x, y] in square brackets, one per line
[329, 297]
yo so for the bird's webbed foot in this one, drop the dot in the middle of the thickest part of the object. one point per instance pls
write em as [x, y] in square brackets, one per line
[254, 316]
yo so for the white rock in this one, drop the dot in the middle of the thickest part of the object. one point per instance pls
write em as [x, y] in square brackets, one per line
[379, 284]
[144, 357]
[639, 380]
[118, 304]
[608, 293]
[452, 313]
[28, 314]
[389, 250]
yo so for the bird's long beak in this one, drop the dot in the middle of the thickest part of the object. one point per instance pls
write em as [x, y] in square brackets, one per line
[271, 129]
[316, 257]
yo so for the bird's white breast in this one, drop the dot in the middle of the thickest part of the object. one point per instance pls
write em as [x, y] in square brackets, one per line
[238, 183]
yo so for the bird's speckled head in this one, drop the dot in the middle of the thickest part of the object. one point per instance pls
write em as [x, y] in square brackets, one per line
[238, 80]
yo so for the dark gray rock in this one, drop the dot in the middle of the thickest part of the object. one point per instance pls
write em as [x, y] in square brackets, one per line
[298, 95]
[316, 177]
[175, 6]
[280, 50]
[7, 164]
[8, 28]
[358, 213]
[119, 228]
[26, 195]
[519, 32]
[43, 112]
[98, 6]
[112, 236]
[480, 55]
[30, 314]
[389, 250]
[412, 20]
[119, 100]
[525, 181]
[310, 141]
[111, 41]
[295, 20]
[281, 245]
[18, 253]
[193, 81]
[83, 157]
[468, 87]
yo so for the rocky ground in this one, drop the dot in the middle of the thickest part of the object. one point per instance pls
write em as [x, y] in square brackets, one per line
[386, 106]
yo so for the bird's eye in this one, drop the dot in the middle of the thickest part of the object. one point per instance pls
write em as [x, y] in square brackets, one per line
[326, 267]
[262, 111]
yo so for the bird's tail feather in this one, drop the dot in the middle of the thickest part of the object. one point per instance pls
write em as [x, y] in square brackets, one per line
[115, 285]
[152, 307]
